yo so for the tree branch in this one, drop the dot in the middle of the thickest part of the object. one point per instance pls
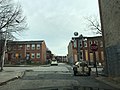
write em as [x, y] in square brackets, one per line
[95, 25]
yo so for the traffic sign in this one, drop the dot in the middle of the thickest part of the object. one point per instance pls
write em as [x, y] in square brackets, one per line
[94, 47]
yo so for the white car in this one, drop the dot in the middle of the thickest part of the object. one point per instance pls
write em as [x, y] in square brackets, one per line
[54, 62]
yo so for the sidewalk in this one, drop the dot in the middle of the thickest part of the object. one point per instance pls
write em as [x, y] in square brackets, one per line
[6, 76]
[9, 74]
[114, 82]
[7, 65]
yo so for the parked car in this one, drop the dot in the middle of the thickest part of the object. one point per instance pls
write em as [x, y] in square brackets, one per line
[81, 68]
[54, 62]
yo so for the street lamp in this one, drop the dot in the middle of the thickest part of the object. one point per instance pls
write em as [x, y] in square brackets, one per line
[80, 39]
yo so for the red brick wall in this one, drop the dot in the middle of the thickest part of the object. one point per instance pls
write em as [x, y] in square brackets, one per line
[23, 51]
[43, 56]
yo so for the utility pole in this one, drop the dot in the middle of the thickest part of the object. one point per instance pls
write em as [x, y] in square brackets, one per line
[79, 41]
[94, 48]
[3, 50]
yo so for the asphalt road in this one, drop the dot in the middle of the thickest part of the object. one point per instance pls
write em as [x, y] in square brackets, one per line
[55, 78]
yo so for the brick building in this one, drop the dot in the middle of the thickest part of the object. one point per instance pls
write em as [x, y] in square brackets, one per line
[49, 56]
[26, 52]
[85, 53]
[72, 52]
[61, 59]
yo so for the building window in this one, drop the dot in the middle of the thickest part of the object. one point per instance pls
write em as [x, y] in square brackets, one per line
[20, 56]
[96, 42]
[16, 55]
[27, 56]
[28, 47]
[85, 43]
[75, 44]
[38, 55]
[86, 55]
[80, 43]
[33, 46]
[90, 42]
[20, 46]
[91, 57]
[14, 47]
[101, 43]
[33, 55]
[38, 46]
[13, 55]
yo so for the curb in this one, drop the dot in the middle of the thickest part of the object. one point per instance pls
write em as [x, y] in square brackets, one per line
[14, 78]
[19, 65]
[5, 82]
[22, 74]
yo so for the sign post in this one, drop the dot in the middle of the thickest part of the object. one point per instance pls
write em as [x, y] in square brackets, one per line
[94, 48]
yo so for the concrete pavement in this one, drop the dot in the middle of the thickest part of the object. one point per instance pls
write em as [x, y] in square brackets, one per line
[114, 82]
[6, 76]
[11, 73]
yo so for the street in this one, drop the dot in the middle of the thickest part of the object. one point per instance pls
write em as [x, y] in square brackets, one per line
[53, 78]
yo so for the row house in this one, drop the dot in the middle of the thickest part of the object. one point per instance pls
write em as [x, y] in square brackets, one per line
[72, 52]
[61, 58]
[79, 49]
[26, 51]
[49, 56]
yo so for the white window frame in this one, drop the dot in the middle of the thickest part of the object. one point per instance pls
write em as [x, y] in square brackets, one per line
[32, 54]
[33, 47]
[20, 47]
[38, 46]
[85, 43]
[28, 47]
[38, 55]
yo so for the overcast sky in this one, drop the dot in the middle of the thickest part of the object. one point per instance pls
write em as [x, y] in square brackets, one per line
[55, 21]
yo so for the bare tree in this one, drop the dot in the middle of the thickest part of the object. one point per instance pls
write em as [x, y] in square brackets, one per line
[94, 24]
[11, 21]
[11, 18]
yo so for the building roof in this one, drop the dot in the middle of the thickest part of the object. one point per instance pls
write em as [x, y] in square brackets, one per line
[87, 37]
[26, 42]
